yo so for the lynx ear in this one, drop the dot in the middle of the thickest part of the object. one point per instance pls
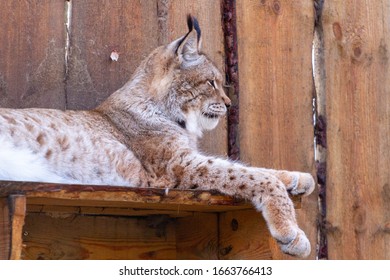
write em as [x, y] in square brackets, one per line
[188, 47]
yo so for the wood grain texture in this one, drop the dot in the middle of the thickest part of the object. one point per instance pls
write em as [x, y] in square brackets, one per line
[97, 28]
[32, 54]
[197, 237]
[121, 197]
[115, 210]
[124, 197]
[12, 214]
[276, 90]
[357, 40]
[5, 229]
[18, 215]
[98, 237]
[243, 235]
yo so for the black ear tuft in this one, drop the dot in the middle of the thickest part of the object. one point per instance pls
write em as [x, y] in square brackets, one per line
[190, 22]
[193, 23]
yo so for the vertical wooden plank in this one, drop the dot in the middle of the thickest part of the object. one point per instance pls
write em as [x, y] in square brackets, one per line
[18, 214]
[12, 214]
[98, 28]
[243, 235]
[32, 51]
[356, 36]
[197, 237]
[276, 90]
[209, 16]
[5, 230]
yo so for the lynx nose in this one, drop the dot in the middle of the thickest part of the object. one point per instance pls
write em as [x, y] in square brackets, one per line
[227, 101]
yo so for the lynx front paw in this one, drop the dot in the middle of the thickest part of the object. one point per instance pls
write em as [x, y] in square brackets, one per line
[301, 184]
[299, 246]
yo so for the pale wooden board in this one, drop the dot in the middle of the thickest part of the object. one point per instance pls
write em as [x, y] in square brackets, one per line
[357, 40]
[276, 89]
[197, 237]
[97, 237]
[243, 235]
[32, 52]
[18, 215]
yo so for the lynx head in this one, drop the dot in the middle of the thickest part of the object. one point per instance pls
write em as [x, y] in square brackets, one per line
[185, 84]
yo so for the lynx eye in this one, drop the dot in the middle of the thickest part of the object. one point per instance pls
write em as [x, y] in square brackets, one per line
[211, 83]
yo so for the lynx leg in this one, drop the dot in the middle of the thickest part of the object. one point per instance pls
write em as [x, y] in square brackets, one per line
[267, 193]
[279, 213]
[297, 183]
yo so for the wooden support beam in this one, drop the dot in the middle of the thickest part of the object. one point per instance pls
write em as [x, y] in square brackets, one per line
[18, 213]
[12, 214]
[5, 230]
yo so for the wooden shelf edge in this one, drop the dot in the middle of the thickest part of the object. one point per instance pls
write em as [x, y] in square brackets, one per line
[124, 197]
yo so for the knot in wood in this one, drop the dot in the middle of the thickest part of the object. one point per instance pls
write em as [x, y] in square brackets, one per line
[277, 7]
[357, 51]
[337, 32]
[234, 225]
[226, 250]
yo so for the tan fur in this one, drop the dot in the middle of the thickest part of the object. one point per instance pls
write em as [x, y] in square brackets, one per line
[145, 135]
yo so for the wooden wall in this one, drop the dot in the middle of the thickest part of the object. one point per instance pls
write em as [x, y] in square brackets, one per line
[356, 43]
[40, 67]
[32, 52]
[276, 91]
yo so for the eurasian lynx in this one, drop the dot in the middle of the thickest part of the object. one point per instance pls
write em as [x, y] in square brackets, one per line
[145, 135]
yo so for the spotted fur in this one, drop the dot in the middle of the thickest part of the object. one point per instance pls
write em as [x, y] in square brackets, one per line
[145, 135]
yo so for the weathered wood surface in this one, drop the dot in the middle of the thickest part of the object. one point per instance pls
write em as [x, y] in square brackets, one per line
[112, 196]
[98, 28]
[64, 222]
[115, 210]
[98, 237]
[32, 51]
[18, 214]
[276, 91]
[197, 237]
[12, 215]
[5, 229]
[357, 40]
[244, 235]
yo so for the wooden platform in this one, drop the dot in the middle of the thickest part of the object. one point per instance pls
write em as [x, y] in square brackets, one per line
[52, 221]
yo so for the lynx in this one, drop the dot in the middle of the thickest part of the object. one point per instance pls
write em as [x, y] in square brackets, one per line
[145, 135]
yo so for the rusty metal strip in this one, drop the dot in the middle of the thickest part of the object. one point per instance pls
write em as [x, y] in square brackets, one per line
[320, 128]
[232, 80]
